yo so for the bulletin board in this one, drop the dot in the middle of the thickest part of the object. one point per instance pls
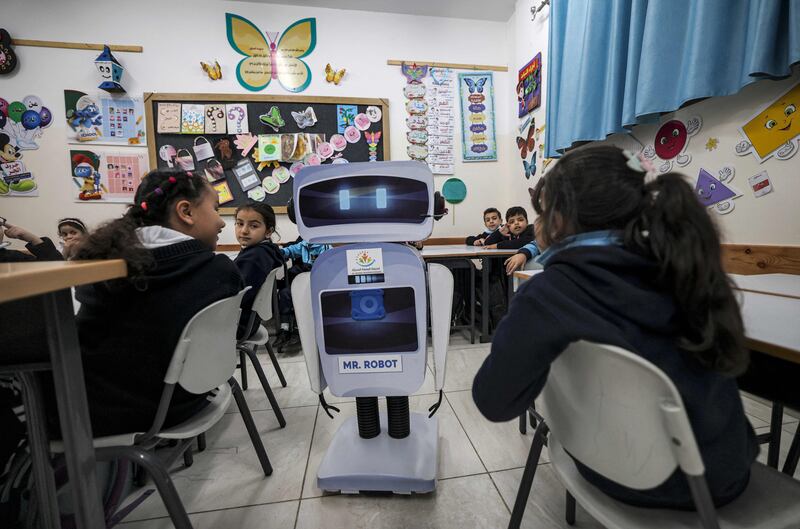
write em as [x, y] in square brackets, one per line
[326, 109]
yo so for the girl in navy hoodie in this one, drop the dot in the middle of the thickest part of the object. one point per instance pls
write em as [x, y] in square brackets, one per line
[255, 224]
[631, 260]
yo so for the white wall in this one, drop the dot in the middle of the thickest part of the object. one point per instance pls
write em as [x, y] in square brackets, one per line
[176, 35]
[770, 219]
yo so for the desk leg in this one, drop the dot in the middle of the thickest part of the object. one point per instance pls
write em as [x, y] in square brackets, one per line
[471, 301]
[775, 425]
[73, 410]
[486, 263]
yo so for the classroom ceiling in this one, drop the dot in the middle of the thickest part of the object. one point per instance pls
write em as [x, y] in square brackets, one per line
[501, 10]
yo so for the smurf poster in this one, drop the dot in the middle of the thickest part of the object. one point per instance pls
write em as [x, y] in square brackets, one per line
[104, 120]
[106, 177]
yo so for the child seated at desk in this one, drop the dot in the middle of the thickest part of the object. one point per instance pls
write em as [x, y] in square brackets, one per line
[631, 260]
[128, 328]
[72, 232]
[255, 224]
[519, 232]
[40, 248]
[492, 234]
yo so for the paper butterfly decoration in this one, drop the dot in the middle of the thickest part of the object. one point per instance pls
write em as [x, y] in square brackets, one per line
[214, 71]
[530, 168]
[265, 61]
[526, 145]
[475, 85]
[272, 119]
[304, 119]
[333, 76]
[414, 73]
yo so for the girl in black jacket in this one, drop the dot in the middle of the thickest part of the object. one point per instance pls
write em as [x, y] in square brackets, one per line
[255, 224]
[631, 260]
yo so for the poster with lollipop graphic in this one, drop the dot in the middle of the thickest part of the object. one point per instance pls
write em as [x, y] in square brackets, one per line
[477, 117]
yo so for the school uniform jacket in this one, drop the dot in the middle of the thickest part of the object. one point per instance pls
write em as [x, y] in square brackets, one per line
[490, 237]
[128, 331]
[515, 242]
[607, 294]
[255, 263]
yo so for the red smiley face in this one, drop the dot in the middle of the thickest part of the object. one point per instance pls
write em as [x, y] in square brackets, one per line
[670, 139]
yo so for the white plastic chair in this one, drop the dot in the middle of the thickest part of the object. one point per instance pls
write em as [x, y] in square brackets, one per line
[262, 310]
[203, 361]
[621, 416]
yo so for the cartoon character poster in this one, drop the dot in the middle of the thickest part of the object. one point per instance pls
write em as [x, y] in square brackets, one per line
[22, 123]
[529, 86]
[477, 117]
[103, 119]
[671, 143]
[774, 130]
[106, 177]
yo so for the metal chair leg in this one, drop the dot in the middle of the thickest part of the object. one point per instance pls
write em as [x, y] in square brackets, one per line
[528, 475]
[523, 424]
[267, 389]
[43, 480]
[247, 417]
[188, 459]
[276, 365]
[153, 466]
[201, 442]
[570, 514]
[243, 369]
[790, 465]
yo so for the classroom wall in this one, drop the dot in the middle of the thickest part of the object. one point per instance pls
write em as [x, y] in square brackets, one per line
[176, 35]
[771, 219]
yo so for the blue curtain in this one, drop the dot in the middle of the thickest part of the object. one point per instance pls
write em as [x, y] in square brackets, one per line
[616, 63]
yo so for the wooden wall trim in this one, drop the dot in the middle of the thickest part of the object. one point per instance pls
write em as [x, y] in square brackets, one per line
[750, 259]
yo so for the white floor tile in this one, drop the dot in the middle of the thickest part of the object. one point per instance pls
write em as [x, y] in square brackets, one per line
[227, 474]
[762, 411]
[546, 503]
[296, 393]
[462, 364]
[459, 503]
[278, 514]
[499, 445]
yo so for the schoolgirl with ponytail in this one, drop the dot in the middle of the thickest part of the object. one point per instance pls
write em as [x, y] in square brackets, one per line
[128, 328]
[630, 259]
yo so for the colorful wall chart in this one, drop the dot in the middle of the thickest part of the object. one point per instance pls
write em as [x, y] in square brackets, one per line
[439, 97]
[529, 86]
[103, 119]
[477, 117]
[417, 109]
[106, 177]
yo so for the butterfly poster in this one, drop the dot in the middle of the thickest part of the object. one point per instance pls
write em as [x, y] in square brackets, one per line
[476, 93]
[529, 86]
[272, 55]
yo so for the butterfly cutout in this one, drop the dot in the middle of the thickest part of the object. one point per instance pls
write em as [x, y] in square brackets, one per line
[475, 85]
[272, 119]
[304, 119]
[265, 61]
[526, 145]
[414, 73]
[333, 76]
[245, 142]
[214, 72]
[530, 168]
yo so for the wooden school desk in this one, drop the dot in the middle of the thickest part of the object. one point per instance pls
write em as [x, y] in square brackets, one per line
[51, 283]
[462, 251]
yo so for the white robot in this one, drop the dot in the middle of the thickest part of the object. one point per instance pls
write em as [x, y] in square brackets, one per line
[362, 314]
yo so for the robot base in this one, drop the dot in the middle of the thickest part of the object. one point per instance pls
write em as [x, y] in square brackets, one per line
[402, 466]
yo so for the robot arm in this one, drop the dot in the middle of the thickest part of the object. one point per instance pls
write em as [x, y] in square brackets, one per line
[440, 286]
[301, 298]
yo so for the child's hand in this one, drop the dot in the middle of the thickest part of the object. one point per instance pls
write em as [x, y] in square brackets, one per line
[504, 229]
[478, 242]
[15, 232]
[515, 262]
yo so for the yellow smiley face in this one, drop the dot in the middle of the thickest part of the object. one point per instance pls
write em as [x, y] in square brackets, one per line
[778, 124]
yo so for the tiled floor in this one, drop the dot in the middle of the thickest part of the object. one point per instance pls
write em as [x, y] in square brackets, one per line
[480, 464]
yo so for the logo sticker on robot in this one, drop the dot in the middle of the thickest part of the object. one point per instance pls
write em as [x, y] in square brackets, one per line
[364, 261]
[371, 364]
